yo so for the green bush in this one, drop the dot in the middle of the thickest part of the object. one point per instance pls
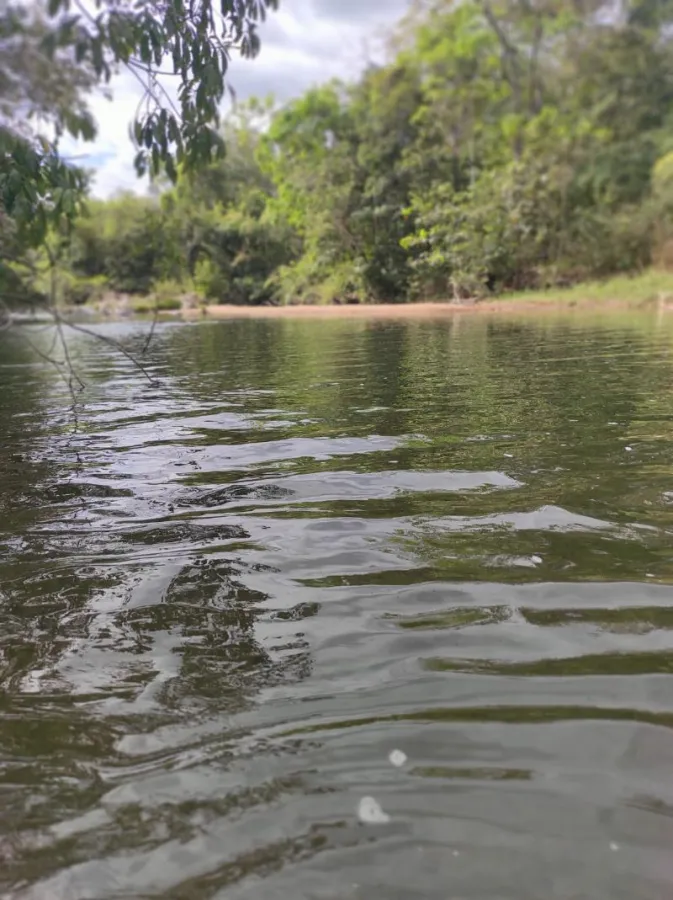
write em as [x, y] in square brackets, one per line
[166, 304]
[79, 291]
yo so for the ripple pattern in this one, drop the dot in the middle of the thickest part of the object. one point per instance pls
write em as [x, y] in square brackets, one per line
[228, 595]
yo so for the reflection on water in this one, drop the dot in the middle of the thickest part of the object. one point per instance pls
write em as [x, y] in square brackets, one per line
[227, 597]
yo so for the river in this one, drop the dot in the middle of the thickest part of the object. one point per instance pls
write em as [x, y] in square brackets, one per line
[299, 564]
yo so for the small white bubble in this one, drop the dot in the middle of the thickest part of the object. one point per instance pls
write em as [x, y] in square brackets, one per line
[614, 846]
[397, 758]
[629, 449]
[649, 575]
[509, 455]
[370, 812]
[536, 559]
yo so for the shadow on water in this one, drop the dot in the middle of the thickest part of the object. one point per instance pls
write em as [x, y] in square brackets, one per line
[225, 599]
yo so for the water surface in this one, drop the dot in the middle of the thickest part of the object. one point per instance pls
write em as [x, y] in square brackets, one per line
[230, 589]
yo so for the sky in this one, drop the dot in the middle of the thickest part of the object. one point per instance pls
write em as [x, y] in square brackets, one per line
[304, 43]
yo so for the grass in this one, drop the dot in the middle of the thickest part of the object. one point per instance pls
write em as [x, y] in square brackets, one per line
[166, 296]
[146, 305]
[634, 290]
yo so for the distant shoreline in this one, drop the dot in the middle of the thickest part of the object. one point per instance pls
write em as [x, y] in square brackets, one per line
[650, 291]
[412, 310]
[330, 311]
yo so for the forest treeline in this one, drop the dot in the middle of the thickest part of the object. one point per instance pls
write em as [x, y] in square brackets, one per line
[503, 145]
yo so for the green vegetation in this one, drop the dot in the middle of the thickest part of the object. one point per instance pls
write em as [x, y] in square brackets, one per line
[635, 289]
[51, 56]
[504, 146]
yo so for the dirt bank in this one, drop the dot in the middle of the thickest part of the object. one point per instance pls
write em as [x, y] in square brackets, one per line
[410, 310]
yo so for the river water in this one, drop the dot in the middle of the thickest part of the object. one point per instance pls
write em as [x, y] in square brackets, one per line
[230, 590]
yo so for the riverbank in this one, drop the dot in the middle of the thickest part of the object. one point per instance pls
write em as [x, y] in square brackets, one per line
[409, 310]
[650, 289]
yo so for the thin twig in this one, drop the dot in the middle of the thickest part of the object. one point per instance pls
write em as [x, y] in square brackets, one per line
[150, 335]
[133, 64]
[111, 342]
[64, 367]
[74, 377]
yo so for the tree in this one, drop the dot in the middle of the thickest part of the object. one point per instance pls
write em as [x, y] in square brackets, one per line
[191, 40]
[504, 144]
[40, 99]
[220, 216]
[384, 108]
[309, 153]
[547, 119]
[124, 241]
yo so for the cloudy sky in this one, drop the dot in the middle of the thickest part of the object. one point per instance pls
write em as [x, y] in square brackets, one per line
[303, 43]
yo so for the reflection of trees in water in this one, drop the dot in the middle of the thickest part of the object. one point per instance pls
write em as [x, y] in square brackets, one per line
[72, 628]
[23, 381]
[204, 619]
[507, 553]
[76, 662]
[113, 633]
[222, 662]
[446, 381]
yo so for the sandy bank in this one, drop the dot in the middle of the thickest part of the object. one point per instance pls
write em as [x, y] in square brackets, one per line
[405, 310]
[364, 311]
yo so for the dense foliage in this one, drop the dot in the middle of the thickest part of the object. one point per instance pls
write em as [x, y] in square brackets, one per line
[504, 144]
[53, 54]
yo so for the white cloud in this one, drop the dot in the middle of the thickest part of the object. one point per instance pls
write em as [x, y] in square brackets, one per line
[306, 42]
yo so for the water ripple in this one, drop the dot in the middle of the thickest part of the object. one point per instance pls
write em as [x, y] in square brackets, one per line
[229, 599]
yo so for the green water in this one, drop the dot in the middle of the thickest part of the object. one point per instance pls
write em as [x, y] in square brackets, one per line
[227, 593]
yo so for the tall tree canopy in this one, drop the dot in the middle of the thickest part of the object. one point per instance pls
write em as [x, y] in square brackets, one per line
[502, 144]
